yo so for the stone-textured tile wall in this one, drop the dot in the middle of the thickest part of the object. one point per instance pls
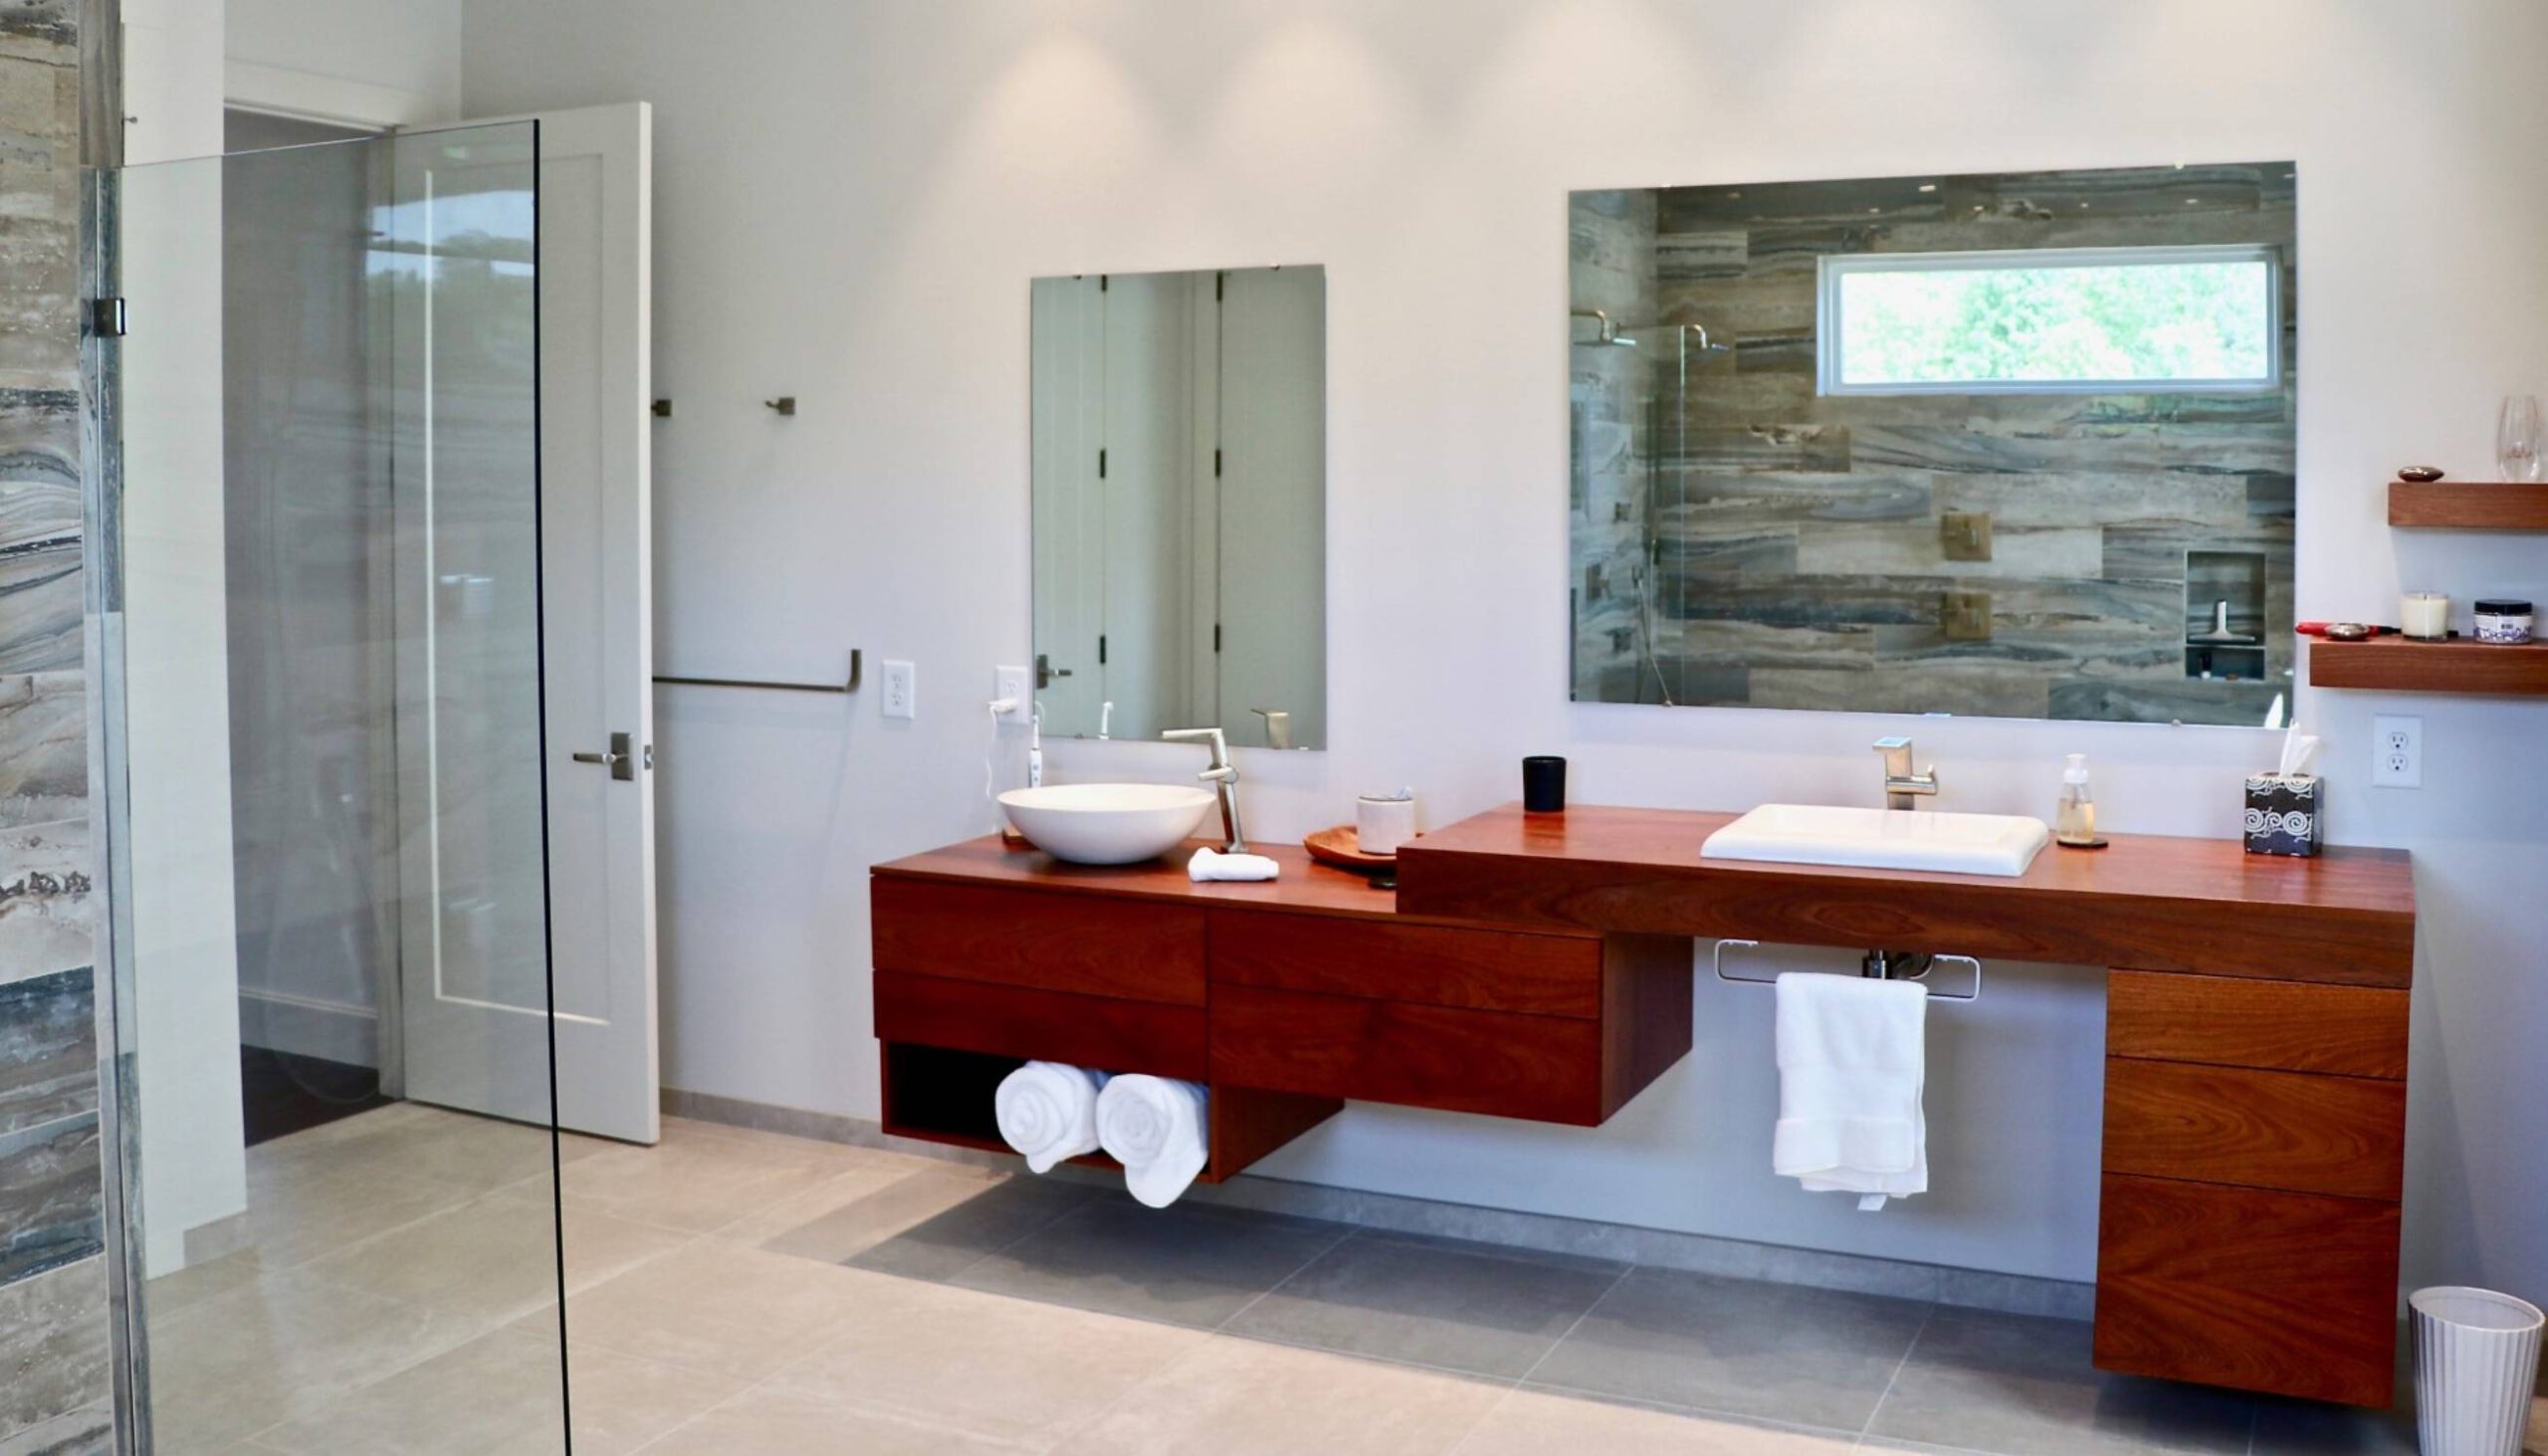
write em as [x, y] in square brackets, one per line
[54, 1355]
[1797, 540]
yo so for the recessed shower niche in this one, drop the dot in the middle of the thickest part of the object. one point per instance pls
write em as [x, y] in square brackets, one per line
[1816, 426]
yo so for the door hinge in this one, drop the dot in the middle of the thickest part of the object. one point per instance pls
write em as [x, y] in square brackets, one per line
[1100, 463]
[1216, 636]
[1221, 286]
[1101, 649]
[1101, 283]
[1216, 463]
[106, 317]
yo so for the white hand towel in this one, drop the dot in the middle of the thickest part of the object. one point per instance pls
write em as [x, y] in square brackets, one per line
[1851, 1057]
[1154, 1126]
[1210, 864]
[1048, 1112]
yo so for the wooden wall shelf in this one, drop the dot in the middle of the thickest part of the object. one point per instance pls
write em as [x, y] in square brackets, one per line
[2468, 504]
[2394, 665]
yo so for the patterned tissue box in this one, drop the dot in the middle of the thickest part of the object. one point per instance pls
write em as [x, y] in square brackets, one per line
[2286, 813]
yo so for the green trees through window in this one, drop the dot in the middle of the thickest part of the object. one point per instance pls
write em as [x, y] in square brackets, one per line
[2171, 320]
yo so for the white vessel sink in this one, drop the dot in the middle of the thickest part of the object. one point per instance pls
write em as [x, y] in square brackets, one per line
[1881, 839]
[1107, 823]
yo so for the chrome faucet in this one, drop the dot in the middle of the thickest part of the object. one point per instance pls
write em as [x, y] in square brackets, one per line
[1901, 785]
[1223, 777]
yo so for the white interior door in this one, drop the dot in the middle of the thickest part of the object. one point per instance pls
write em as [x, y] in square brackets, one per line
[479, 985]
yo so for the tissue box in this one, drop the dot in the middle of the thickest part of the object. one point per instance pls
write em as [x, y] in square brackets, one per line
[2285, 814]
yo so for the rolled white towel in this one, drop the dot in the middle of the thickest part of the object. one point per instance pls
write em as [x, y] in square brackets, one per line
[1210, 864]
[1048, 1112]
[1154, 1126]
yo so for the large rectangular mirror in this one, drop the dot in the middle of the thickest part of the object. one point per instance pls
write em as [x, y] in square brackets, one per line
[1181, 503]
[2015, 445]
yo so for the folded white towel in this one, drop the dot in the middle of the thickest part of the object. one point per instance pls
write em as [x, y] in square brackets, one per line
[1851, 1057]
[1154, 1126]
[1210, 864]
[1048, 1112]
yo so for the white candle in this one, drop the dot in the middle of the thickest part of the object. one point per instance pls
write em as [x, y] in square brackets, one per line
[2424, 615]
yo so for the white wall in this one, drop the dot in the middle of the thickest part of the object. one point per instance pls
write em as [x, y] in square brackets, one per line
[372, 63]
[853, 198]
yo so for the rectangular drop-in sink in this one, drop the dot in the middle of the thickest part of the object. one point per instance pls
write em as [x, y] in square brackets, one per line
[1881, 839]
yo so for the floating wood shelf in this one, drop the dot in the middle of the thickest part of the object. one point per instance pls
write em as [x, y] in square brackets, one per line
[2468, 505]
[2394, 665]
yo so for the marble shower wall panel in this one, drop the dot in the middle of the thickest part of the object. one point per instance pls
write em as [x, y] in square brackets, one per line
[1801, 537]
[53, 1342]
[1612, 411]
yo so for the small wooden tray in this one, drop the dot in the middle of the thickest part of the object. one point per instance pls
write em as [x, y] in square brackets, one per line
[1335, 846]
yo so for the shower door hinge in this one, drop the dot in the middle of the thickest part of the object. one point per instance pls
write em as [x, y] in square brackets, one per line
[1101, 649]
[1216, 464]
[1216, 636]
[1100, 463]
[106, 317]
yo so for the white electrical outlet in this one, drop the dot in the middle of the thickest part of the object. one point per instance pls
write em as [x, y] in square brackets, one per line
[1011, 684]
[2398, 752]
[901, 692]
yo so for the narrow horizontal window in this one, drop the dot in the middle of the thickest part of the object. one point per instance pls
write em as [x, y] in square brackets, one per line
[2077, 321]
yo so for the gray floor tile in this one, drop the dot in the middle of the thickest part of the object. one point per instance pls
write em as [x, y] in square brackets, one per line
[951, 1240]
[1181, 1266]
[1810, 1357]
[2310, 1427]
[2025, 1385]
[1434, 1302]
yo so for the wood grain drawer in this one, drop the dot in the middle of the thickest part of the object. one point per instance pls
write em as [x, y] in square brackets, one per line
[2259, 1129]
[1499, 1063]
[1085, 944]
[1441, 966]
[2295, 1026]
[1108, 1033]
[2289, 1293]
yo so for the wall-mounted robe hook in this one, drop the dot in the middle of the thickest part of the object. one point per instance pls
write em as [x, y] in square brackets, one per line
[786, 404]
[663, 409]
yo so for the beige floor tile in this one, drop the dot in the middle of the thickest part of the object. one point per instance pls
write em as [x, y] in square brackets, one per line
[241, 1361]
[986, 1364]
[790, 1426]
[865, 1219]
[291, 1221]
[1235, 1397]
[702, 1179]
[494, 1258]
[1531, 1423]
[415, 1142]
[166, 1294]
[828, 1197]
[718, 1308]
[497, 1396]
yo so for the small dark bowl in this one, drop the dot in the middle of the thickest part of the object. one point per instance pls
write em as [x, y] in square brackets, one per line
[2423, 475]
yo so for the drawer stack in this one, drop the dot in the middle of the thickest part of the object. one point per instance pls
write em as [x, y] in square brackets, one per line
[2254, 1145]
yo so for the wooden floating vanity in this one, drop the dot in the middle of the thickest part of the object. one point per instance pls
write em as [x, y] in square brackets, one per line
[1540, 967]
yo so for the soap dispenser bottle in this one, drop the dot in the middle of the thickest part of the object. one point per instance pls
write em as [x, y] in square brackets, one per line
[2074, 819]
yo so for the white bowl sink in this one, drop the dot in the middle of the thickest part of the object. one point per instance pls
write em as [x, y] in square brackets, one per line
[1107, 823]
[1881, 839]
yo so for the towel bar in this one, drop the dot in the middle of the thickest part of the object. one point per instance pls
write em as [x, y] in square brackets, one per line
[857, 670]
[1880, 965]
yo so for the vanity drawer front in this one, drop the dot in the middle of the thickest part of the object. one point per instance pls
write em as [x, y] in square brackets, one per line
[1056, 941]
[1442, 965]
[2289, 1293]
[2234, 1021]
[1104, 1033]
[1543, 1068]
[2259, 1129]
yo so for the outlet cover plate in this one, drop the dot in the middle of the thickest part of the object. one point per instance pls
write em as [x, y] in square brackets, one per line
[901, 690]
[2397, 753]
[1012, 683]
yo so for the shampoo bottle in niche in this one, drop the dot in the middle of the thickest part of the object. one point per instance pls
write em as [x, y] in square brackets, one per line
[2074, 819]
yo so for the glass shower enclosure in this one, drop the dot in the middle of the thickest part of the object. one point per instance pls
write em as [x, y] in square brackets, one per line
[317, 627]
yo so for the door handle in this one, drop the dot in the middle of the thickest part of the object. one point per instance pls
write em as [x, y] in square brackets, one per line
[621, 760]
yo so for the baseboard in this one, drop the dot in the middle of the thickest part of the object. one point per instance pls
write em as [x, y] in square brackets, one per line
[1665, 1248]
[306, 1026]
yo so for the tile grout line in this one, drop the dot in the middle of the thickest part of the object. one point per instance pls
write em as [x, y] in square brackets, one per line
[1234, 1316]
[1598, 1301]
[1868, 1428]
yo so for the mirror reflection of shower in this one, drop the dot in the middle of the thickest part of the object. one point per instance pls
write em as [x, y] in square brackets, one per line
[1668, 350]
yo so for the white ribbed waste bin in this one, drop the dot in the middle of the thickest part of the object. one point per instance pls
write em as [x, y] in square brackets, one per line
[2476, 1361]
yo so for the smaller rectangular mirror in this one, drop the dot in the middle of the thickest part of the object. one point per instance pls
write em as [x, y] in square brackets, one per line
[1181, 503]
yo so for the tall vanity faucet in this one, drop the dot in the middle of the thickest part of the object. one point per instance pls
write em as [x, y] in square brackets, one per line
[1223, 777]
[1901, 785]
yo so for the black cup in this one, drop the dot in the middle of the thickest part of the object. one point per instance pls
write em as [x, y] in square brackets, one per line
[1543, 784]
